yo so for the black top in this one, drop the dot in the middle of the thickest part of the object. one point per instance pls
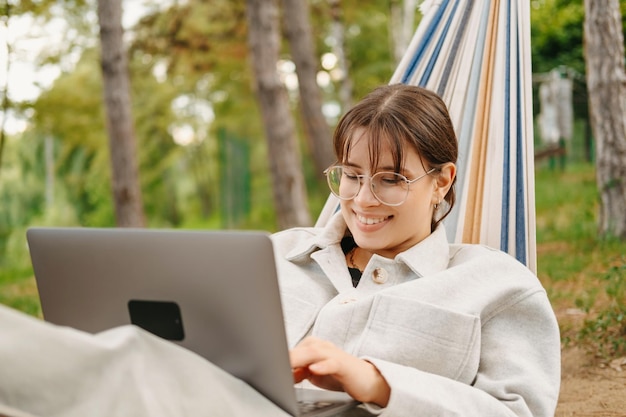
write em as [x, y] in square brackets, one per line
[348, 244]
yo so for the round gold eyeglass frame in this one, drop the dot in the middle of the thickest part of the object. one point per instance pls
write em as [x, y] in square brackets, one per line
[382, 184]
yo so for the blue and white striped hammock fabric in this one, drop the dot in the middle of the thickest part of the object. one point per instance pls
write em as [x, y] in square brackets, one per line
[476, 56]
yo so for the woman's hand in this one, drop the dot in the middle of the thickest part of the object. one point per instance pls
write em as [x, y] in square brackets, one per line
[329, 367]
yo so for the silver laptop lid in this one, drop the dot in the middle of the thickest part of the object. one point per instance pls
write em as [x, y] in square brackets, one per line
[213, 292]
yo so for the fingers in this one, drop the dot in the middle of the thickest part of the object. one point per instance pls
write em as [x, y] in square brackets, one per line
[311, 351]
[324, 367]
[329, 367]
[320, 362]
[300, 374]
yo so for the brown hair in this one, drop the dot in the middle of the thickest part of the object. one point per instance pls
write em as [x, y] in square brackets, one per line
[398, 115]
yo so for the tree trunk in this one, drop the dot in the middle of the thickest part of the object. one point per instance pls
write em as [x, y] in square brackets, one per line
[298, 30]
[604, 55]
[124, 170]
[285, 164]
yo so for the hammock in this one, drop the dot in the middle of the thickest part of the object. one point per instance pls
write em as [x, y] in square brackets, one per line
[476, 56]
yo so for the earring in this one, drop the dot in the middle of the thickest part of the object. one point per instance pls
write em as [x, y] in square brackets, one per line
[436, 205]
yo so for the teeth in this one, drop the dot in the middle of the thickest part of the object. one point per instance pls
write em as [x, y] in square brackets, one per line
[369, 220]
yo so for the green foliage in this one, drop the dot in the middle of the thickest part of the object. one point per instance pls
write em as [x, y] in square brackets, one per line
[202, 49]
[43, 8]
[74, 118]
[604, 335]
[367, 41]
[368, 44]
[557, 35]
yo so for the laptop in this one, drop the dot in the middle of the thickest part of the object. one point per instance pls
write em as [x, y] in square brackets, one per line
[212, 292]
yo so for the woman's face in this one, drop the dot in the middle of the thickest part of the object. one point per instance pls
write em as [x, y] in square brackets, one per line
[383, 229]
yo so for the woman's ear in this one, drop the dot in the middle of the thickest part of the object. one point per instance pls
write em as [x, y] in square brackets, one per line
[445, 179]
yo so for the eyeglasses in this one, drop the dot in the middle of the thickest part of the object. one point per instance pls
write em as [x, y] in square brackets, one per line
[390, 188]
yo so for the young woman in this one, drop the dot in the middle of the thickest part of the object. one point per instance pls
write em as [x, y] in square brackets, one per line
[377, 304]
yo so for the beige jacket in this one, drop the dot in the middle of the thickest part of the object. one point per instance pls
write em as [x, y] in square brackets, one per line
[456, 330]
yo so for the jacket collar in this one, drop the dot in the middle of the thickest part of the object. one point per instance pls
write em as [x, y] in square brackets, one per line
[429, 256]
[331, 234]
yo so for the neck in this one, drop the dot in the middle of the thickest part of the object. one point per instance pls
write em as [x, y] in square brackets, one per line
[358, 258]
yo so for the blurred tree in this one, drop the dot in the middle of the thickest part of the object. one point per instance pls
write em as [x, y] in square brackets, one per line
[358, 35]
[298, 31]
[402, 25]
[338, 34]
[197, 50]
[368, 44]
[187, 61]
[38, 13]
[604, 53]
[73, 118]
[557, 42]
[288, 182]
[122, 146]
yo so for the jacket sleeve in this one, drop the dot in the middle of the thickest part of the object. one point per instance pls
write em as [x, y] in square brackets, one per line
[518, 375]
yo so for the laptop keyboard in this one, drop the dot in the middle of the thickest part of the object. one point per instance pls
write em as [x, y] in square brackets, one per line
[307, 406]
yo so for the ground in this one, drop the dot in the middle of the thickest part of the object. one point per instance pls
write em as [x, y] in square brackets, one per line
[590, 388]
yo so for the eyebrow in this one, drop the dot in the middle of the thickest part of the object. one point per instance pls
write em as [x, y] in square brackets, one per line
[350, 164]
[380, 168]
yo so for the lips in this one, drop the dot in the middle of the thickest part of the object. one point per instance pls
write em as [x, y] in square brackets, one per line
[371, 220]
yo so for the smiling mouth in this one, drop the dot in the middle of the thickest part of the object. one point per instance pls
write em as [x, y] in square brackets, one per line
[371, 220]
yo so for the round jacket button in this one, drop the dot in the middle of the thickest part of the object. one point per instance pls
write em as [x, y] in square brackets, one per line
[380, 276]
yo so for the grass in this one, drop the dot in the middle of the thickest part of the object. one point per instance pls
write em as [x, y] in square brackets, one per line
[578, 268]
[18, 290]
[568, 247]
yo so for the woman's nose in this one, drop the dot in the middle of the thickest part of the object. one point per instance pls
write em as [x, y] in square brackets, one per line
[365, 196]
